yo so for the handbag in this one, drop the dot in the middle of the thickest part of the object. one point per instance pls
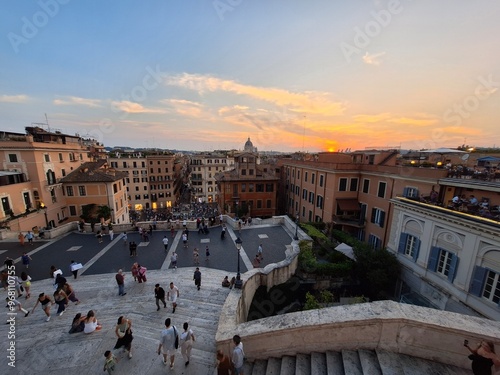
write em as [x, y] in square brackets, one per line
[176, 343]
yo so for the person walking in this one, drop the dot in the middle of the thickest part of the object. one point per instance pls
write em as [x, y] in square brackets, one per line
[68, 289]
[186, 339]
[238, 356]
[46, 303]
[26, 283]
[120, 280]
[134, 248]
[99, 236]
[141, 273]
[197, 278]
[172, 295]
[124, 238]
[173, 260]
[196, 256]
[110, 231]
[185, 239]
[131, 248]
[259, 252]
[25, 258]
[30, 237]
[74, 267]
[207, 254]
[167, 346]
[159, 296]
[134, 270]
[61, 298]
[110, 362]
[165, 243]
[20, 237]
[223, 363]
[123, 331]
[483, 357]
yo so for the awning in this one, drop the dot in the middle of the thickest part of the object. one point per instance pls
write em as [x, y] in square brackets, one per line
[346, 250]
[348, 204]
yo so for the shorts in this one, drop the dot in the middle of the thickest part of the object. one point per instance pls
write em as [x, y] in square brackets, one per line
[169, 352]
[238, 371]
[173, 298]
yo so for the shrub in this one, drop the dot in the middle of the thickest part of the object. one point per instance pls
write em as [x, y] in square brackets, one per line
[311, 302]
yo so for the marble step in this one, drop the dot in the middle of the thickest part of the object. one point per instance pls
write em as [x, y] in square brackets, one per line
[351, 362]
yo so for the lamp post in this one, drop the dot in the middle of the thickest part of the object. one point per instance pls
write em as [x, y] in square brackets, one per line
[44, 208]
[296, 237]
[238, 283]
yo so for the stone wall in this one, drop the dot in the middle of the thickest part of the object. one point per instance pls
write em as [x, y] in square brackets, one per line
[400, 328]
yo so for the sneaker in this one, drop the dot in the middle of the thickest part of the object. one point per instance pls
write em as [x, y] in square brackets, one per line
[187, 363]
[158, 309]
[62, 312]
[124, 294]
[164, 362]
[48, 318]
[25, 315]
[129, 355]
[171, 366]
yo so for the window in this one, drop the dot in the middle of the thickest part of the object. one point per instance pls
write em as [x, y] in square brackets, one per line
[298, 174]
[409, 245]
[268, 203]
[259, 188]
[61, 157]
[305, 176]
[250, 188]
[374, 242]
[378, 217]
[81, 191]
[343, 184]
[46, 157]
[69, 191]
[72, 211]
[259, 203]
[321, 180]
[354, 184]
[381, 189]
[13, 158]
[269, 188]
[250, 172]
[243, 188]
[443, 262]
[115, 188]
[319, 201]
[366, 186]
[313, 178]
[410, 192]
[304, 194]
[51, 177]
[63, 172]
[311, 197]
[243, 172]
[486, 284]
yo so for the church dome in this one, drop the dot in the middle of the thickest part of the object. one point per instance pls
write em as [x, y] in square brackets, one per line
[248, 145]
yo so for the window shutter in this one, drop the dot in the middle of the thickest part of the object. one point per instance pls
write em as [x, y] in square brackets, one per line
[402, 243]
[405, 192]
[417, 193]
[477, 284]
[374, 212]
[382, 219]
[453, 268]
[417, 249]
[433, 258]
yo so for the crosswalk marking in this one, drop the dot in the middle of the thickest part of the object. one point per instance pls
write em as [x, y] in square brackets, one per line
[74, 248]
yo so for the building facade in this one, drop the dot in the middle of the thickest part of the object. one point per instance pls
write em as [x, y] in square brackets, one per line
[135, 166]
[204, 167]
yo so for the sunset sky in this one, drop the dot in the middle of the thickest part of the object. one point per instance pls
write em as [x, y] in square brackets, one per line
[292, 75]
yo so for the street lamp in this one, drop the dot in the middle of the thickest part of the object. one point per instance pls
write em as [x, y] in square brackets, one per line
[238, 283]
[296, 237]
[44, 208]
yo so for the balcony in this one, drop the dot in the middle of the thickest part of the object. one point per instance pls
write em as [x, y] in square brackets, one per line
[351, 220]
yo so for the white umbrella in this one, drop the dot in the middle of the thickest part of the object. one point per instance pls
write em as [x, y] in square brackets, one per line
[346, 250]
[443, 150]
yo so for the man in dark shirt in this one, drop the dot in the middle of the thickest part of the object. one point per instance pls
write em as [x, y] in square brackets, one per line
[160, 296]
[120, 280]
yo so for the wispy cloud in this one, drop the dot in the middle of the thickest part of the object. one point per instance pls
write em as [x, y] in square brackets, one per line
[132, 107]
[303, 102]
[417, 120]
[187, 108]
[373, 59]
[75, 100]
[13, 98]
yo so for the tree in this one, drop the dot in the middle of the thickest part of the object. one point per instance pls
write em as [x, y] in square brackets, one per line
[104, 212]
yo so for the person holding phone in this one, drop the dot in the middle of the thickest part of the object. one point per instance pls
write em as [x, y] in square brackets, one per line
[483, 357]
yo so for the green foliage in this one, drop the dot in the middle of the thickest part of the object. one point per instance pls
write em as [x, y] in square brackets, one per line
[326, 296]
[309, 264]
[104, 212]
[377, 271]
[358, 299]
[313, 232]
[311, 302]
[88, 212]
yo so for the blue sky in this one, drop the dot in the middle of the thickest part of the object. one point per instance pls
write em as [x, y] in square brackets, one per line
[291, 75]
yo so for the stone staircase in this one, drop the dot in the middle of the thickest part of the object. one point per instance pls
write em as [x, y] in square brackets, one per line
[350, 362]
